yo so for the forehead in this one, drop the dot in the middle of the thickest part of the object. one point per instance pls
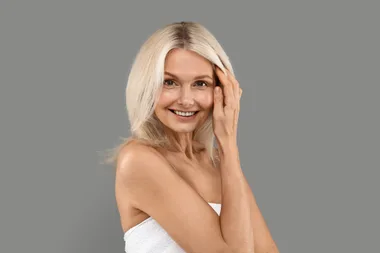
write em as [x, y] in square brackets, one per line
[183, 61]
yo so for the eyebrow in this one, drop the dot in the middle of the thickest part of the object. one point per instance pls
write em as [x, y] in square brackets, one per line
[196, 77]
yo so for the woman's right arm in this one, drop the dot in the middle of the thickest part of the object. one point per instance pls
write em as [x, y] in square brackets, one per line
[151, 185]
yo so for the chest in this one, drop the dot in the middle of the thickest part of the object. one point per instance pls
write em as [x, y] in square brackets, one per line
[202, 176]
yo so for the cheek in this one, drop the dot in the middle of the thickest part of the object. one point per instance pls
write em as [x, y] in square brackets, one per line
[206, 100]
[166, 98]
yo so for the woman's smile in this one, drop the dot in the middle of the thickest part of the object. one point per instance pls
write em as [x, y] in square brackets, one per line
[184, 115]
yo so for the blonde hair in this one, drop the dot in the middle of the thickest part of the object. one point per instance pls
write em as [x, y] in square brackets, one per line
[146, 78]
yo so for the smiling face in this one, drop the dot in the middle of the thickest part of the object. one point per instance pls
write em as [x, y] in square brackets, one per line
[187, 93]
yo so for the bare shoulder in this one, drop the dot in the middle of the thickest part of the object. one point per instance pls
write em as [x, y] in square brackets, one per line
[138, 163]
[136, 155]
[152, 186]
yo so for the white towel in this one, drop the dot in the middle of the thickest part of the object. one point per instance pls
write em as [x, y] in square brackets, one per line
[149, 237]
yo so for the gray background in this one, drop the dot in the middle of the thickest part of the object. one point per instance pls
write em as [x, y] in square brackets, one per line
[308, 131]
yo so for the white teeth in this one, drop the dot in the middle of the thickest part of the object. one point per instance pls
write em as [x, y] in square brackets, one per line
[185, 114]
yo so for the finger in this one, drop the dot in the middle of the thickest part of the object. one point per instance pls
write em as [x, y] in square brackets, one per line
[238, 105]
[226, 85]
[218, 103]
[237, 112]
[235, 84]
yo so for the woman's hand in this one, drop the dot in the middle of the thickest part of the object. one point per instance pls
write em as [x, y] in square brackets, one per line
[226, 108]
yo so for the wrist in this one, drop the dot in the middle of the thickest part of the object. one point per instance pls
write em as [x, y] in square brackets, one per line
[228, 147]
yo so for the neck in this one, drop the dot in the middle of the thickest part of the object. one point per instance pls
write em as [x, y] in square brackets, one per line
[183, 143]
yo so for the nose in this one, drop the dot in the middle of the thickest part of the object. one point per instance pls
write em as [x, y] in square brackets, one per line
[186, 97]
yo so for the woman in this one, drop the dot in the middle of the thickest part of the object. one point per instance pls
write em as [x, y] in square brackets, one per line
[175, 191]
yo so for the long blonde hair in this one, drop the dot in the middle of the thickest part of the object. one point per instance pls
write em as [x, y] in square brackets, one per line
[146, 78]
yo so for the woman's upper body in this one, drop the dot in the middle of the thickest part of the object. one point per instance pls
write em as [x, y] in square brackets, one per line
[171, 101]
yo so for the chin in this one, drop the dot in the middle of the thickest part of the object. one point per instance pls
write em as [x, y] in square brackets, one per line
[184, 129]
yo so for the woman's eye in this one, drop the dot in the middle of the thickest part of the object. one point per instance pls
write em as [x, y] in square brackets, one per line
[202, 84]
[169, 82]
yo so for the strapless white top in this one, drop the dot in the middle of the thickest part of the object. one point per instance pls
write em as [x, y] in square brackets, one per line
[149, 237]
